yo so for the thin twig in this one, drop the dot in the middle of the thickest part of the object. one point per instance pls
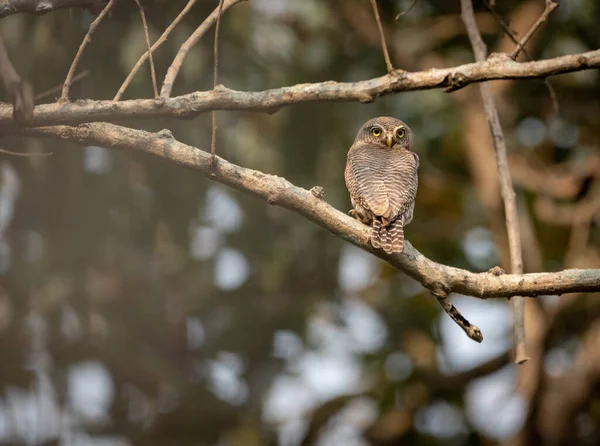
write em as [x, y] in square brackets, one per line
[506, 186]
[159, 42]
[412, 5]
[504, 25]
[550, 6]
[88, 37]
[149, 51]
[58, 87]
[213, 138]
[386, 55]
[173, 70]
[512, 35]
[472, 331]
[26, 155]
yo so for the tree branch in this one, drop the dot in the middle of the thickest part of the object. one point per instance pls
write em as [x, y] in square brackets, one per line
[506, 186]
[39, 7]
[149, 51]
[440, 279]
[193, 104]
[550, 6]
[147, 54]
[173, 70]
[386, 54]
[88, 37]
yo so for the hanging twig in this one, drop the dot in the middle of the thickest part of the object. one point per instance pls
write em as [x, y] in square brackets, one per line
[88, 37]
[472, 331]
[173, 70]
[159, 42]
[152, 71]
[550, 6]
[506, 186]
[386, 55]
[213, 139]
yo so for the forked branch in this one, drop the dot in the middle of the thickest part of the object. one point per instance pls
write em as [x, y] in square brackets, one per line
[173, 70]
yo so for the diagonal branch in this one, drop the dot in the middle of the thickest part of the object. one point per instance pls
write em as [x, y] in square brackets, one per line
[88, 37]
[506, 186]
[440, 279]
[149, 52]
[386, 54]
[551, 5]
[193, 104]
[146, 55]
[173, 70]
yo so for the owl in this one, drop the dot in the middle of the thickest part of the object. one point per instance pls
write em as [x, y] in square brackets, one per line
[382, 178]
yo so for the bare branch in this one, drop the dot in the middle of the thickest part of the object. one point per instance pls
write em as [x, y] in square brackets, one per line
[386, 55]
[213, 138]
[193, 104]
[39, 7]
[173, 70]
[146, 55]
[506, 186]
[149, 52]
[88, 37]
[550, 6]
[440, 279]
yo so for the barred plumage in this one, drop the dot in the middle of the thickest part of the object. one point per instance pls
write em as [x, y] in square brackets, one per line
[382, 178]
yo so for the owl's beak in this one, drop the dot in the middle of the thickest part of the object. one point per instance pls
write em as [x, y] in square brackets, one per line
[389, 141]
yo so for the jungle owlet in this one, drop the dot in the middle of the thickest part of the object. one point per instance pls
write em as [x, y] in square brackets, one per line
[381, 175]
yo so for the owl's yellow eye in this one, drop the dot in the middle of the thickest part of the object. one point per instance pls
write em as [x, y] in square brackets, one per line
[376, 131]
[400, 133]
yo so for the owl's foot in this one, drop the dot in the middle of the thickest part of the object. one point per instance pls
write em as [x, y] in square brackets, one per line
[353, 213]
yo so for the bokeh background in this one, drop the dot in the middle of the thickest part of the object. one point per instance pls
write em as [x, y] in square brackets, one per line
[142, 304]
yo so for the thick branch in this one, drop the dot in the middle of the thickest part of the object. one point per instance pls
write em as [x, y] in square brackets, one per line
[439, 279]
[9, 7]
[190, 105]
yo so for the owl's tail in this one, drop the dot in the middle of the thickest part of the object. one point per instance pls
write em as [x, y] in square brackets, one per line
[390, 238]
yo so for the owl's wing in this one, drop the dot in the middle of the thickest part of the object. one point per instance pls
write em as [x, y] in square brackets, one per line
[381, 180]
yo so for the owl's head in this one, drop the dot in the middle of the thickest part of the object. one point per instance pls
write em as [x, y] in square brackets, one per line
[387, 132]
